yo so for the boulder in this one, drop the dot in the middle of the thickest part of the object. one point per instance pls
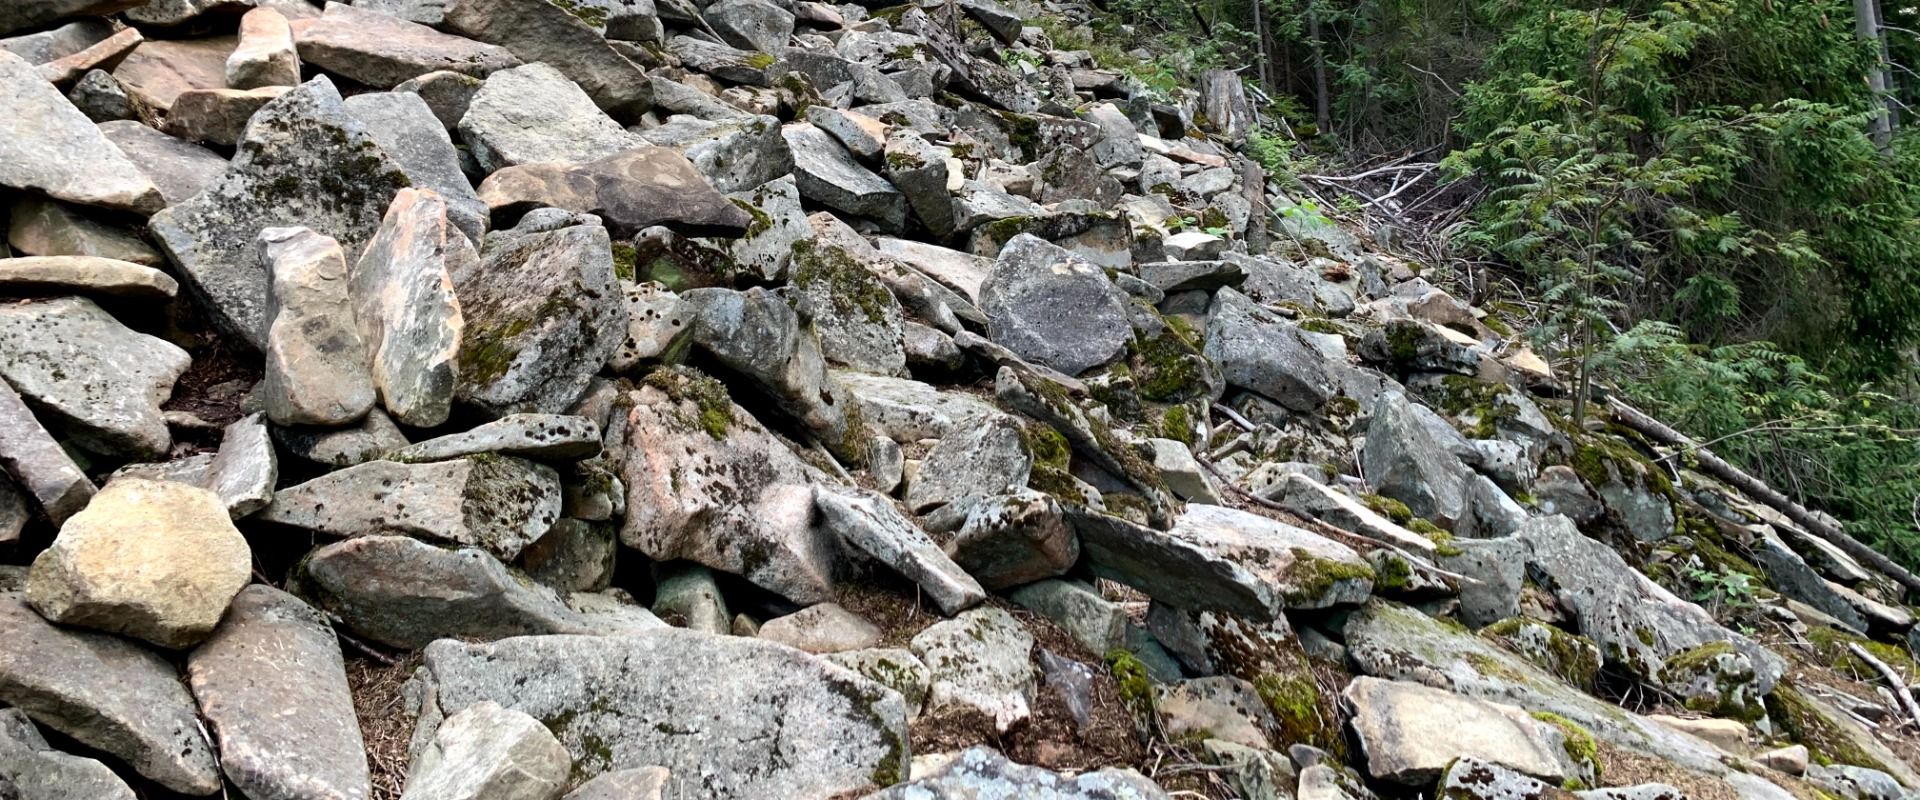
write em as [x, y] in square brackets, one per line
[1013, 539]
[488, 752]
[756, 334]
[106, 693]
[48, 146]
[659, 326]
[893, 668]
[23, 16]
[628, 191]
[180, 169]
[857, 319]
[370, 440]
[727, 63]
[85, 275]
[735, 155]
[273, 687]
[542, 32]
[1098, 624]
[31, 767]
[533, 114]
[640, 783]
[497, 503]
[405, 128]
[381, 51]
[796, 725]
[829, 175]
[404, 302]
[154, 560]
[981, 772]
[543, 437]
[1404, 460]
[868, 523]
[43, 227]
[265, 55]
[316, 361]
[305, 162]
[447, 93]
[1172, 568]
[751, 24]
[980, 668]
[1218, 707]
[1260, 352]
[37, 463]
[823, 628]
[1031, 282]
[217, 116]
[922, 170]
[1411, 732]
[988, 459]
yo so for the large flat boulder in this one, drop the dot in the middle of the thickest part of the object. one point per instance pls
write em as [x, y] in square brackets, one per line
[31, 767]
[628, 191]
[383, 51]
[93, 378]
[47, 145]
[498, 503]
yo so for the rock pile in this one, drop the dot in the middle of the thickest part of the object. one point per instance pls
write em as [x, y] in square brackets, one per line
[774, 399]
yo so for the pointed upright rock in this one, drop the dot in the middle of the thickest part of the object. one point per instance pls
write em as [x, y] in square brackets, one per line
[405, 306]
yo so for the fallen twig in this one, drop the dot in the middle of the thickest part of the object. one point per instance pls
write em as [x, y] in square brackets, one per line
[1893, 679]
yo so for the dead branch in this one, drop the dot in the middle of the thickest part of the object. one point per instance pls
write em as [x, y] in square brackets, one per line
[1893, 679]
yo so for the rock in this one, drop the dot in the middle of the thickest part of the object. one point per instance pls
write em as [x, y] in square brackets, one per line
[48, 146]
[106, 693]
[87, 275]
[381, 51]
[1728, 735]
[1014, 539]
[179, 169]
[486, 751]
[533, 114]
[988, 459]
[38, 463]
[980, 667]
[14, 513]
[686, 594]
[31, 767]
[576, 555]
[546, 33]
[1189, 574]
[543, 314]
[273, 686]
[102, 55]
[1855, 783]
[965, 273]
[658, 327]
[217, 116]
[497, 503]
[868, 523]
[1220, 707]
[1570, 657]
[154, 560]
[343, 447]
[405, 593]
[862, 135]
[157, 71]
[1258, 351]
[405, 128]
[447, 93]
[1182, 472]
[1405, 461]
[1180, 276]
[304, 162]
[798, 726]
[751, 24]
[1410, 733]
[1096, 623]
[245, 468]
[980, 773]
[23, 16]
[316, 362]
[909, 411]
[824, 628]
[404, 303]
[545, 437]
[99, 381]
[42, 227]
[1303, 495]
[828, 174]
[265, 55]
[643, 783]
[55, 43]
[758, 335]
[857, 319]
[1471, 778]
[1071, 174]
[921, 170]
[1031, 281]
[629, 191]
[893, 668]
[727, 63]
[735, 155]
[1791, 760]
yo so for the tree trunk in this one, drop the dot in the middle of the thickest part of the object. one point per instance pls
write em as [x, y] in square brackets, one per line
[1866, 24]
[1322, 102]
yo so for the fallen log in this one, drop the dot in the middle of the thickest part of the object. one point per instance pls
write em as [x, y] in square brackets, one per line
[1759, 490]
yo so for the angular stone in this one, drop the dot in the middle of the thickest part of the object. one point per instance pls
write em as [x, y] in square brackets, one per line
[546, 437]
[486, 751]
[735, 155]
[31, 767]
[373, 438]
[686, 594]
[823, 628]
[869, 523]
[154, 560]
[180, 169]
[1410, 733]
[727, 63]
[862, 135]
[751, 24]
[1014, 539]
[447, 93]
[43, 227]
[908, 411]
[629, 191]
[1405, 461]
[1256, 350]
[758, 335]
[160, 69]
[1219, 707]
[87, 275]
[106, 693]
[988, 459]
[407, 131]
[316, 362]
[980, 773]
[576, 555]
[217, 116]
[921, 170]
[980, 668]
[533, 114]
[53, 44]
[95, 378]
[642, 783]
[1031, 282]
[47, 145]
[273, 687]
[245, 468]
[828, 174]
[1170, 568]
[798, 726]
[543, 315]
[21, 16]
[542, 32]
[856, 317]
[102, 55]
[965, 273]
[42, 468]
[893, 668]
[305, 162]
[497, 503]
[1096, 623]
[265, 55]
[658, 327]
[404, 302]
[381, 51]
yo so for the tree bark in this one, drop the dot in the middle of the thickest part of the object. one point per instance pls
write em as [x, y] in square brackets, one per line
[1866, 24]
[1759, 490]
[1322, 102]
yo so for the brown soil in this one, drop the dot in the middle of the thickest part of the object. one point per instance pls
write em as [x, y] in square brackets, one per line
[384, 721]
[1627, 768]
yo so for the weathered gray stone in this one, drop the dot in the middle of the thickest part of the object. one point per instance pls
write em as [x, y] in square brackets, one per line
[641, 783]
[47, 145]
[1097, 623]
[628, 191]
[828, 174]
[735, 155]
[99, 381]
[381, 51]
[908, 411]
[1259, 351]
[37, 462]
[727, 63]
[685, 594]
[1405, 461]
[405, 128]
[179, 169]
[796, 725]
[305, 162]
[893, 668]
[1304, 495]
[922, 170]
[543, 315]
[758, 335]
[980, 668]
[487, 752]
[245, 468]
[576, 555]
[988, 459]
[543, 32]
[107, 693]
[373, 438]
[447, 93]
[751, 24]
[42, 227]
[273, 687]
[857, 319]
[53, 44]
[33, 769]
[533, 114]
[1031, 282]
[544, 437]
[658, 327]
[85, 275]
[1217, 707]
[404, 303]
[869, 523]
[1015, 539]
[498, 503]
[823, 628]
[1411, 732]
[265, 55]
[981, 773]
[316, 361]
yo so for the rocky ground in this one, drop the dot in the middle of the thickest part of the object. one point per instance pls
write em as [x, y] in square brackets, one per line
[517, 399]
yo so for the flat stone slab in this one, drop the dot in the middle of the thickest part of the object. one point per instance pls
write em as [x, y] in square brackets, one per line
[97, 380]
[48, 145]
[32, 767]
[981, 772]
[497, 503]
[544, 437]
[41, 466]
[794, 725]
[383, 51]
[87, 275]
